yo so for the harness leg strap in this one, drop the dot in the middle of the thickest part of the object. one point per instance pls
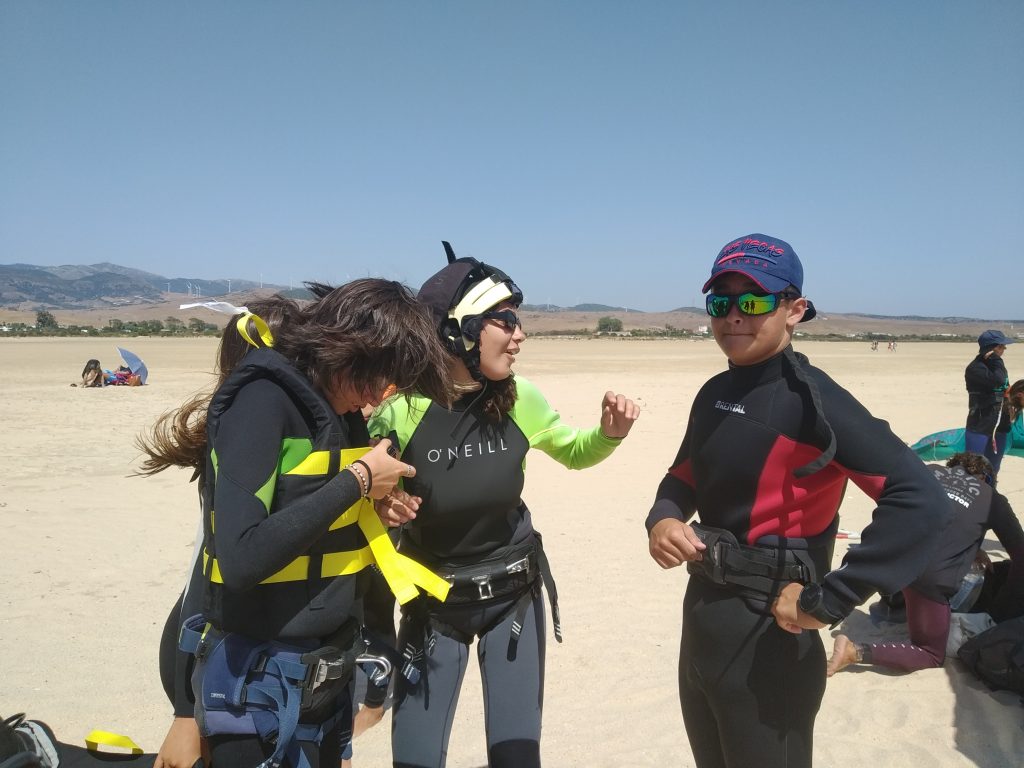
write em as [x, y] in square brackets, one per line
[522, 606]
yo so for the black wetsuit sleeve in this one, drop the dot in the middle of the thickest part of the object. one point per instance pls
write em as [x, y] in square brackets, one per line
[911, 507]
[985, 374]
[675, 497]
[252, 544]
[1007, 528]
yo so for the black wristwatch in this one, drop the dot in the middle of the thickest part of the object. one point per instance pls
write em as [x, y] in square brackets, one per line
[812, 602]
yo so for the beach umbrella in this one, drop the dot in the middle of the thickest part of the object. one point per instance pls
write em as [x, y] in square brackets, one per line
[134, 363]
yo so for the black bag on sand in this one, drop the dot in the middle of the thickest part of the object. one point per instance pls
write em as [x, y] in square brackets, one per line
[997, 656]
[31, 744]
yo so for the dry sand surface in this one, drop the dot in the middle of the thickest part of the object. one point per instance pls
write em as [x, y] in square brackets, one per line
[93, 557]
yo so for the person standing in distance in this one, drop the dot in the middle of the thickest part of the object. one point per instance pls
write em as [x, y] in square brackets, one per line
[987, 381]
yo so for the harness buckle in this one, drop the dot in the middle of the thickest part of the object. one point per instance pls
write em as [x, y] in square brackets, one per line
[483, 584]
[523, 564]
[326, 670]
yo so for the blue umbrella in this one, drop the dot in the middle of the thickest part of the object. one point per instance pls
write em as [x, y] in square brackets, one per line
[134, 363]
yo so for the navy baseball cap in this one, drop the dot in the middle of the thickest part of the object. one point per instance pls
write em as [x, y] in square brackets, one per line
[993, 338]
[768, 261]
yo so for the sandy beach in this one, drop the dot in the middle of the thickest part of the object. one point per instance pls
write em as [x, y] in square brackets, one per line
[94, 557]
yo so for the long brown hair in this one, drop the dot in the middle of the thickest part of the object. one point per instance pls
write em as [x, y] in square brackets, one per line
[498, 399]
[368, 333]
[178, 438]
[1015, 399]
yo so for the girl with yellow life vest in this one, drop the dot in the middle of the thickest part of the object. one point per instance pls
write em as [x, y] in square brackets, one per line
[178, 439]
[289, 526]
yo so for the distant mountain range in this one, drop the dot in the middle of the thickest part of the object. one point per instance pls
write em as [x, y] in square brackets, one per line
[94, 286]
[577, 308]
[26, 287]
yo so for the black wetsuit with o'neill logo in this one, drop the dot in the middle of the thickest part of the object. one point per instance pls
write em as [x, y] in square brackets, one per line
[749, 690]
[470, 475]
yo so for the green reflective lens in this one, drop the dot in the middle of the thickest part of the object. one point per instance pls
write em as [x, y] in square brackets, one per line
[718, 305]
[752, 304]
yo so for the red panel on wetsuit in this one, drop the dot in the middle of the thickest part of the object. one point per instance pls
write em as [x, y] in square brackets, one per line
[789, 506]
[684, 472]
[872, 485]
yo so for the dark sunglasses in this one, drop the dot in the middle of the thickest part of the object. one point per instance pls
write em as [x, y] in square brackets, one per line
[506, 318]
[718, 305]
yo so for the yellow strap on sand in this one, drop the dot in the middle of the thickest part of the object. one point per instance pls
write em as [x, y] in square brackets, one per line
[264, 330]
[108, 739]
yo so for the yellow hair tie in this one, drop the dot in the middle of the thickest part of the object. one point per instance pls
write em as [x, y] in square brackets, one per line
[264, 330]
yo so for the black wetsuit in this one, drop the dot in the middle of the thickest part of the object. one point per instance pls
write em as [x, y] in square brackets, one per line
[275, 534]
[988, 418]
[977, 509]
[470, 475]
[750, 690]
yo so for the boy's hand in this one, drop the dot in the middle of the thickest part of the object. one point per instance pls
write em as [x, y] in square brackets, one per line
[672, 543]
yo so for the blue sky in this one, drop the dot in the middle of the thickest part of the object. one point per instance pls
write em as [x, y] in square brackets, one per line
[597, 151]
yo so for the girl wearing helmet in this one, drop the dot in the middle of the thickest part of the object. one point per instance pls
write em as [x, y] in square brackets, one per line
[462, 515]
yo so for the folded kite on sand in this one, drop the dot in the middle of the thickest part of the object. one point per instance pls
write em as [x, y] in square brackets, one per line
[942, 445]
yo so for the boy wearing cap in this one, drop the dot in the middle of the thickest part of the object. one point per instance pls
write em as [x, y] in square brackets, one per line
[769, 448]
[987, 382]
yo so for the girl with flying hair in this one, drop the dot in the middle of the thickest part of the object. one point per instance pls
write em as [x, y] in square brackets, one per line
[285, 479]
[178, 439]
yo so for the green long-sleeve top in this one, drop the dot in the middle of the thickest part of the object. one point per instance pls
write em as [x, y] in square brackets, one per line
[470, 472]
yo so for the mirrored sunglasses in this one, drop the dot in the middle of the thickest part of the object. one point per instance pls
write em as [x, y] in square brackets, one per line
[718, 305]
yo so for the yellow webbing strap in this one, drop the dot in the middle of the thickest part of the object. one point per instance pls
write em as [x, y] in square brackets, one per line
[264, 330]
[108, 739]
[403, 574]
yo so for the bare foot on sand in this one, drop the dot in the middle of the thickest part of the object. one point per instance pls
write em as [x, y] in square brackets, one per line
[844, 653]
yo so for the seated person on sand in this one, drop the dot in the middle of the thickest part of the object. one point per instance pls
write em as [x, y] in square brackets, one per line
[979, 508]
[92, 374]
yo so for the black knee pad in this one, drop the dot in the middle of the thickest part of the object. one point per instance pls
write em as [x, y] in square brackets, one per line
[517, 753]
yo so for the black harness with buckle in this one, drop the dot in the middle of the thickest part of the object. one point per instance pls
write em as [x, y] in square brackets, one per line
[515, 573]
[757, 573]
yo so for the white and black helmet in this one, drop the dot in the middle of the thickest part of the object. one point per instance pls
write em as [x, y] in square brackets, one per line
[459, 295]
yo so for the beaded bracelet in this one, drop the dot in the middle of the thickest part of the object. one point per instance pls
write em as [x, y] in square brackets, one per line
[369, 474]
[364, 485]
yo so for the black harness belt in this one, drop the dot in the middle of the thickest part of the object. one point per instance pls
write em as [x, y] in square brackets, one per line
[514, 573]
[757, 572]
